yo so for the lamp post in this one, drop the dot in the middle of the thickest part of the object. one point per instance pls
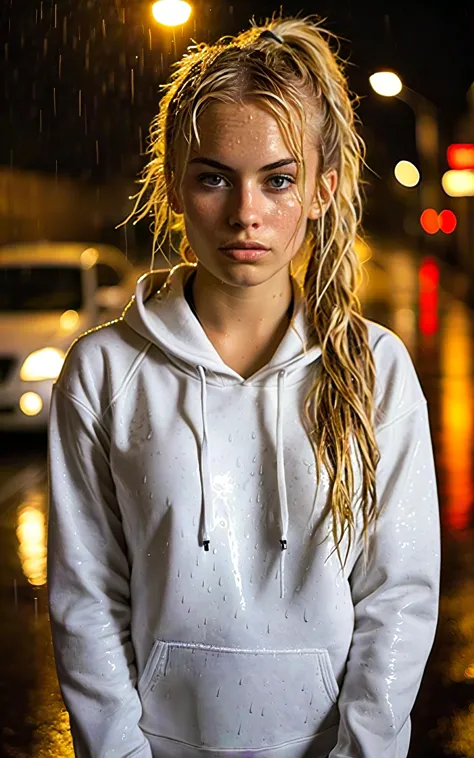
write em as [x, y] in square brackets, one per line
[389, 84]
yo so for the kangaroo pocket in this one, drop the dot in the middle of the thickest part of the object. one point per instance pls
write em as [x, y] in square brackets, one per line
[231, 698]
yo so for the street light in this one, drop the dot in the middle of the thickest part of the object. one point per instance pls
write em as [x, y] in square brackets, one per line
[171, 12]
[386, 83]
[406, 173]
[389, 84]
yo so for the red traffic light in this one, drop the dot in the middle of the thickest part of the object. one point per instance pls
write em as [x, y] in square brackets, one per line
[447, 221]
[461, 156]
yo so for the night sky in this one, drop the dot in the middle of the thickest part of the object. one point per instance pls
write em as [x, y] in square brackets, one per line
[81, 77]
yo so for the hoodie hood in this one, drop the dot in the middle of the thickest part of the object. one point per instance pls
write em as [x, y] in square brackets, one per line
[164, 317]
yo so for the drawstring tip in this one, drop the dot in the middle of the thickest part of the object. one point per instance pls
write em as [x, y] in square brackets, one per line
[206, 545]
[283, 544]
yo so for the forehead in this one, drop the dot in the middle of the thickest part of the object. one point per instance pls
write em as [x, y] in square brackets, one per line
[241, 131]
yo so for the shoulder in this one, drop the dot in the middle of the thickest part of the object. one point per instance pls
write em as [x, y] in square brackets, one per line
[397, 387]
[98, 363]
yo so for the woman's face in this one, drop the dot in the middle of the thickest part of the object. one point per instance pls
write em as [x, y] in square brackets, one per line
[233, 191]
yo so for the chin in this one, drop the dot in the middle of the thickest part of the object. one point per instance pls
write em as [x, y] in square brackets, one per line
[239, 274]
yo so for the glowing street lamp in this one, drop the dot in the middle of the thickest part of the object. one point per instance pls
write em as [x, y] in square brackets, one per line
[386, 83]
[389, 84]
[171, 12]
[407, 174]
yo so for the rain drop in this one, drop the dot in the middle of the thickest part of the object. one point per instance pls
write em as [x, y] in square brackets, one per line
[254, 434]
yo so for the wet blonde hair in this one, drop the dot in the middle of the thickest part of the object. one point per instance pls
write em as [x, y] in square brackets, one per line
[301, 75]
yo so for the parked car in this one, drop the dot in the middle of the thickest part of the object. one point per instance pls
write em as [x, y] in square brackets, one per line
[50, 293]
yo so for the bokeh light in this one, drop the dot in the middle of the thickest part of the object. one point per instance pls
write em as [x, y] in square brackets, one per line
[171, 12]
[407, 173]
[386, 83]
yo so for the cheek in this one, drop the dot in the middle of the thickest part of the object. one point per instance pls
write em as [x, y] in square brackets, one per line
[201, 211]
[285, 220]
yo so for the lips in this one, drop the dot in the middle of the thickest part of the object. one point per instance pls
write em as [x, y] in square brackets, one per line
[245, 245]
[245, 254]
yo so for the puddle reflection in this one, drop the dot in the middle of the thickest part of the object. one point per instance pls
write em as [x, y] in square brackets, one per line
[457, 415]
[31, 535]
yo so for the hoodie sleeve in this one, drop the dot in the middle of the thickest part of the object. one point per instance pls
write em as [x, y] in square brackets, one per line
[395, 597]
[88, 588]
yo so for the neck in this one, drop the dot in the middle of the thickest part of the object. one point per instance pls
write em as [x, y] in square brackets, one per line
[224, 310]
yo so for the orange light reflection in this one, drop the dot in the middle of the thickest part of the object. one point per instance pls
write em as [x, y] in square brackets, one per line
[457, 414]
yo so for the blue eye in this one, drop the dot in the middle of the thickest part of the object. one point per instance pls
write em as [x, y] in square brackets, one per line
[212, 181]
[204, 178]
[285, 178]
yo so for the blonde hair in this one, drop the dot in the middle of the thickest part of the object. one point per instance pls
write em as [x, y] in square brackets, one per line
[284, 78]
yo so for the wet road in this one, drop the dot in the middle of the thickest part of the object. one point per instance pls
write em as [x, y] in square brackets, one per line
[438, 329]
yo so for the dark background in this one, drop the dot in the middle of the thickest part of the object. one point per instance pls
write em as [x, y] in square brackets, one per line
[81, 80]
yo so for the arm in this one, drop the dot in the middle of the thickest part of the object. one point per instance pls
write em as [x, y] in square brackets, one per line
[88, 586]
[395, 599]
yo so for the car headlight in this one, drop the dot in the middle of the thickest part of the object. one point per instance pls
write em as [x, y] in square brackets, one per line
[42, 364]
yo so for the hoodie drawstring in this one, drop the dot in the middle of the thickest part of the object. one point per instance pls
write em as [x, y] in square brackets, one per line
[206, 485]
[205, 468]
[281, 480]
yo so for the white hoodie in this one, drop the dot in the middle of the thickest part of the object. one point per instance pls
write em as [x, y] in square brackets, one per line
[159, 450]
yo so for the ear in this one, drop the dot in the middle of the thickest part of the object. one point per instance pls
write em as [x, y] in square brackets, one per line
[317, 208]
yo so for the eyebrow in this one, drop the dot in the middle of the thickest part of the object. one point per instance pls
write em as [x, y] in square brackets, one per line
[222, 167]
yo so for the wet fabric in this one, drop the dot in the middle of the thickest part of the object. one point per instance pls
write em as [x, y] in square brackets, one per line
[197, 604]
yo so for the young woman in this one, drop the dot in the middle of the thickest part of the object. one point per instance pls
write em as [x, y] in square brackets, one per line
[243, 540]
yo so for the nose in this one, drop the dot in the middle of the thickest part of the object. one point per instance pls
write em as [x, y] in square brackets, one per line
[245, 211]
